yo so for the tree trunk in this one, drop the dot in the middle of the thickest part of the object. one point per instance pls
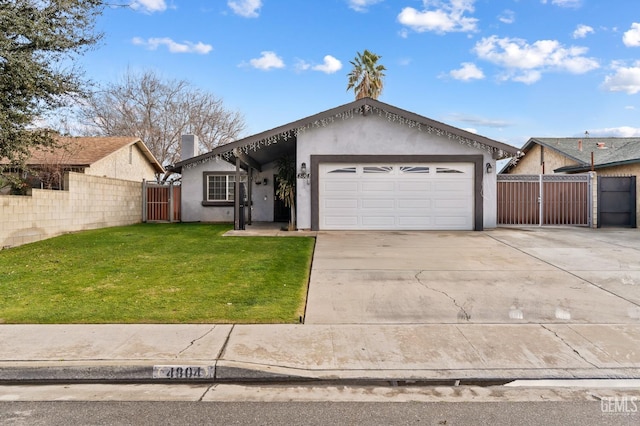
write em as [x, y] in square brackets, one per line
[292, 222]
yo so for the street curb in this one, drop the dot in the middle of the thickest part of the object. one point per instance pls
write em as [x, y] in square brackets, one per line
[230, 372]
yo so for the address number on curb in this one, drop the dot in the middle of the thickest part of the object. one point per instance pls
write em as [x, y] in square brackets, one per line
[181, 372]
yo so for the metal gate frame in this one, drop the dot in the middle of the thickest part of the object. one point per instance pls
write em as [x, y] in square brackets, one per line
[532, 189]
[164, 205]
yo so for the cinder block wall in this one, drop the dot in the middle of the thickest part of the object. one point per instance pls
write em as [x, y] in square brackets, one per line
[91, 202]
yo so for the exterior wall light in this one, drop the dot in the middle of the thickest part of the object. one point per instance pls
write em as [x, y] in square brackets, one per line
[488, 168]
[303, 174]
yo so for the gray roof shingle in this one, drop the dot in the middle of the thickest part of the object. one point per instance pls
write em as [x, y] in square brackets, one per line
[606, 151]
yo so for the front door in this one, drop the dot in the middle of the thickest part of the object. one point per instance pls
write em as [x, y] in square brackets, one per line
[281, 213]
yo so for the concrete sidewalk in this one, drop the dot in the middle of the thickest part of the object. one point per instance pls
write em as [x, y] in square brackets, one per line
[487, 306]
[443, 352]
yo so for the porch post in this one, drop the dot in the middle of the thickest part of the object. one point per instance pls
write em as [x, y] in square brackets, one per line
[249, 195]
[236, 198]
[170, 212]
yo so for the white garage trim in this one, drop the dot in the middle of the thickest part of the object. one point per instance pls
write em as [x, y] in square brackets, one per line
[396, 192]
[396, 196]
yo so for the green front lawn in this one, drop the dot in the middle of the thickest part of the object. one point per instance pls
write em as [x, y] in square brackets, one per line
[156, 273]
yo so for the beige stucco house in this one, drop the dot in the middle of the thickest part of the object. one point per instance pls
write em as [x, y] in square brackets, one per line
[124, 158]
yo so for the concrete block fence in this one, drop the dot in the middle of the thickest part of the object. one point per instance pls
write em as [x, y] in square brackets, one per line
[91, 202]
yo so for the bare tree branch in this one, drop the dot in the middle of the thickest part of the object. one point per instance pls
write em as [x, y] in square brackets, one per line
[159, 111]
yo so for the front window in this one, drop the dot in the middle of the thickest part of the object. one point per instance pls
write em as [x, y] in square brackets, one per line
[221, 187]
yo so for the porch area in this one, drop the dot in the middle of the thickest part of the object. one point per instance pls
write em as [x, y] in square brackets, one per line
[268, 229]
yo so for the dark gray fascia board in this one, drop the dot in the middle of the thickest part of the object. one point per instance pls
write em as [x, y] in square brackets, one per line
[587, 167]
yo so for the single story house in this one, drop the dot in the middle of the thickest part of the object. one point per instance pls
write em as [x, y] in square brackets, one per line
[125, 158]
[363, 165]
[610, 156]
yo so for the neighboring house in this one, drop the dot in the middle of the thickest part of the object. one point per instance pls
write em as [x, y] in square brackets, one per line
[125, 158]
[363, 165]
[608, 157]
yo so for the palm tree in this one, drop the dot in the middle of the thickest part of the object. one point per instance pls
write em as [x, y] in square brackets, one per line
[366, 76]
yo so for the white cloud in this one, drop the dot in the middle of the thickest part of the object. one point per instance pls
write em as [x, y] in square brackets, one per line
[631, 38]
[471, 130]
[329, 66]
[246, 8]
[469, 71]
[619, 132]
[631, 107]
[442, 17]
[301, 65]
[478, 121]
[565, 3]
[149, 6]
[581, 31]
[526, 77]
[525, 62]
[507, 17]
[174, 47]
[267, 61]
[625, 79]
[362, 5]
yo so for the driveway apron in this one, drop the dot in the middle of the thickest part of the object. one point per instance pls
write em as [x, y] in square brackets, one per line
[501, 276]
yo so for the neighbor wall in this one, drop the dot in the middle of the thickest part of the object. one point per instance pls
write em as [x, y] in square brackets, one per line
[90, 202]
[128, 163]
[531, 163]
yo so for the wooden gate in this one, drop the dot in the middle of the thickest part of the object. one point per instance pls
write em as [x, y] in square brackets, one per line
[544, 200]
[160, 203]
[617, 201]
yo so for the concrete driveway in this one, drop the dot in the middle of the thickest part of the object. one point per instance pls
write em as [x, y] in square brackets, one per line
[509, 276]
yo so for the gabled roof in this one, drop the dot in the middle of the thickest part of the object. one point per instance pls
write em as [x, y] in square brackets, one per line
[282, 139]
[607, 152]
[85, 151]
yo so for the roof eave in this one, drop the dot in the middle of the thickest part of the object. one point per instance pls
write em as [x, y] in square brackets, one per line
[559, 151]
[360, 103]
[586, 168]
[149, 155]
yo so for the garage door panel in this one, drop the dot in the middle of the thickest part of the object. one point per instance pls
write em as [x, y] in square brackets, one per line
[417, 203]
[378, 221]
[378, 186]
[341, 203]
[371, 203]
[448, 204]
[450, 221]
[341, 185]
[452, 186]
[396, 196]
[418, 186]
[410, 222]
[342, 222]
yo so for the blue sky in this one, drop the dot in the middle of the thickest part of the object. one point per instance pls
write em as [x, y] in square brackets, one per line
[508, 69]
